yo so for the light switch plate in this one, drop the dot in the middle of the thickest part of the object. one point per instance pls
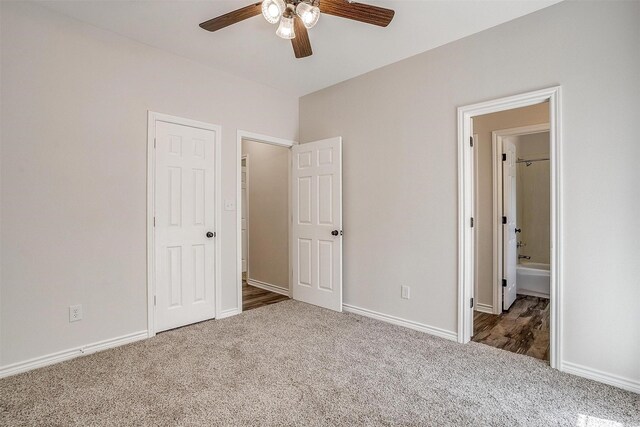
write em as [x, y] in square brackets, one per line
[229, 205]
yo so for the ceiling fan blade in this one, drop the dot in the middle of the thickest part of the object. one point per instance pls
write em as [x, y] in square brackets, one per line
[357, 11]
[301, 44]
[232, 17]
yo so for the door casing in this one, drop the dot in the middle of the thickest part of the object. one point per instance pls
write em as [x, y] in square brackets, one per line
[466, 181]
[241, 207]
[152, 118]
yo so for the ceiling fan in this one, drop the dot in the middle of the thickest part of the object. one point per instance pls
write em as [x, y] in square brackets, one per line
[296, 16]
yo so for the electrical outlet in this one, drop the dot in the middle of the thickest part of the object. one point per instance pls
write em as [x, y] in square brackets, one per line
[75, 313]
[405, 292]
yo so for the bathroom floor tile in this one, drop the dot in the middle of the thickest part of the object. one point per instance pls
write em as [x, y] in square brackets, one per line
[524, 329]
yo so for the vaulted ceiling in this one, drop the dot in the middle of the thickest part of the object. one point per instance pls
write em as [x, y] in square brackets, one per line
[342, 49]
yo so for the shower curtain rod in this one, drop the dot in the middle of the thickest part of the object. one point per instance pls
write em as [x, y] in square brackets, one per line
[529, 161]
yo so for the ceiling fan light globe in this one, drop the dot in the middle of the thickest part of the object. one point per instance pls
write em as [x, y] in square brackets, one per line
[272, 10]
[308, 14]
[285, 29]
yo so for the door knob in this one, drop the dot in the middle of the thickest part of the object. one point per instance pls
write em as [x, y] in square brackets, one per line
[336, 232]
[518, 230]
[210, 234]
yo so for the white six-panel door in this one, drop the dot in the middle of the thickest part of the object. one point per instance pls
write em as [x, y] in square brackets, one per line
[184, 215]
[510, 247]
[317, 223]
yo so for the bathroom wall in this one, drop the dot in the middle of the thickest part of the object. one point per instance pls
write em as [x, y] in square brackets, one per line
[534, 196]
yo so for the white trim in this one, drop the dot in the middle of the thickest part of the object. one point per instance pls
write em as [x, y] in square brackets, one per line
[474, 214]
[251, 136]
[603, 377]
[533, 293]
[244, 157]
[432, 330]
[269, 287]
[257, 137]
[465, 181]
[496, 147]
[154, 117]
[151, 242]
[228, 313]
[484, 308]
[60, 356]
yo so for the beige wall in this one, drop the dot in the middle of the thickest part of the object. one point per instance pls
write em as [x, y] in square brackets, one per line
[74, 180]
[534, 197]
[400, 171]
[483, 126]
[268, 225]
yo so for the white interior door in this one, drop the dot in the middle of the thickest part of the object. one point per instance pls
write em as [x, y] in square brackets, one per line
[185, 220]
[245, 201]
[317, 223]
[509, 247]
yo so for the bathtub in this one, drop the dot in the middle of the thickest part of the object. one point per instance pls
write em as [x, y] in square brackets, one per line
[533, 278]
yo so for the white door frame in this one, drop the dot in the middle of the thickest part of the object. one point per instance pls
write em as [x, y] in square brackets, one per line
[244, 157]
[251, 136]
[496, 144]
[473, 161]
[154, 117]
[466, 264]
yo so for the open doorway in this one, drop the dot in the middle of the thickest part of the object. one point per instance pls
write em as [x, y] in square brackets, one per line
[512, 232]
[264, 219]
[509, 224]
[313, 218]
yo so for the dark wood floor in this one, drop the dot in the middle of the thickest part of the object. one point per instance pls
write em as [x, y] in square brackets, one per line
[524, 329]
[253, 297]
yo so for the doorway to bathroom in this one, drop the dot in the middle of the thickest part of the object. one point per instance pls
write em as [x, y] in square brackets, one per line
[509, 224]
[516, 318]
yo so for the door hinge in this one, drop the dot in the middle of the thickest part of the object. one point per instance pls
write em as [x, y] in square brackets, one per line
[504, 283]
[504, 157]
[471, 302]
[155, 300]
[471, 222]
[154, 143]
[154, 221]
[471, 141]
[504, 219]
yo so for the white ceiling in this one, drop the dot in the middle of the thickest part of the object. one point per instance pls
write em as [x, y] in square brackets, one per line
[342, 49]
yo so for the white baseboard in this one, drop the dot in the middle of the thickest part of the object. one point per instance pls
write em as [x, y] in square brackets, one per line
[442, 333]
[600, 376]
[533, 293]
[268, 287]
[228, 313]
[50, 359]
[484, 308]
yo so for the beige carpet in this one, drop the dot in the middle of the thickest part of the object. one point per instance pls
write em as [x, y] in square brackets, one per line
[295, 364]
